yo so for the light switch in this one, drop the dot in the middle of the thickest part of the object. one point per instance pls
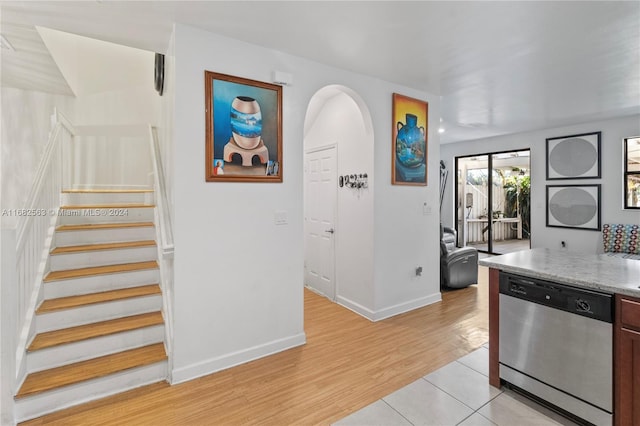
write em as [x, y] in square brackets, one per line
[281, 217]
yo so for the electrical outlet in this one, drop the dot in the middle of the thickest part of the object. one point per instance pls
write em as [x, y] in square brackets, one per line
[418, 271]
[563, 244]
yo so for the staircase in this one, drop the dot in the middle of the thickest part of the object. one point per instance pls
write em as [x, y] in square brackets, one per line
[99, 329]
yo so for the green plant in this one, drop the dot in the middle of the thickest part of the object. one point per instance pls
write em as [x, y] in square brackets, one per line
[477, 177]
[517, 197]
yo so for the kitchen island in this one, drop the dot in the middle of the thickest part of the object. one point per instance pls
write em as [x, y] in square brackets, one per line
[596, 273]
[592, 271]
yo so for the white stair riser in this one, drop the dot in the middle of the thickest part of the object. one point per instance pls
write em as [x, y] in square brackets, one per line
[61, 262]
[97, 312]
[106, 215]
[98, 236]
[47, 402]
[92, 348]
[92, 198]
[98, 283]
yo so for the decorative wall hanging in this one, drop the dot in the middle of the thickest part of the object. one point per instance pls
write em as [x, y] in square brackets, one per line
[573, 206]
[158, 73]
[444, 175]
[243, 129]
[409, 141]
[574, 157]
[355, 180]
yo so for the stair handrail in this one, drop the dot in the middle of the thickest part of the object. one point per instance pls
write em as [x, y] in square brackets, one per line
[32, 236]
[162, 202]
[165, 232]
[61, 123]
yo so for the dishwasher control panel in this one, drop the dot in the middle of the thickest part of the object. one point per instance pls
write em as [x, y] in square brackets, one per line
[571, 299]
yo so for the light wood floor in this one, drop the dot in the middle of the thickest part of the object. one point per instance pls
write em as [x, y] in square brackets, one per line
[347, 363]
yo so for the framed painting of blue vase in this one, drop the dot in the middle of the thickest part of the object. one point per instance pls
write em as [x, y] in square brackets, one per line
[409, 140]
[243, 129]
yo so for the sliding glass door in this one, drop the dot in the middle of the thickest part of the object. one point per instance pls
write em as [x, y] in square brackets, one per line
[492, 201]
[472, 201]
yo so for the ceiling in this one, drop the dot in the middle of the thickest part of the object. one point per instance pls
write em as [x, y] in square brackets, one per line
[499, 67]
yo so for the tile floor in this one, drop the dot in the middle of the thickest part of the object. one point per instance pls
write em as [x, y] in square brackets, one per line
[457, 394]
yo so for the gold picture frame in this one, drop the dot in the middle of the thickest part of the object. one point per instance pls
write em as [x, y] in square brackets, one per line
[243, 129]
[410, 120]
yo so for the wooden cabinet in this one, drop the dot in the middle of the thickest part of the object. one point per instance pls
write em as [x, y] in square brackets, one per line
[627, 362]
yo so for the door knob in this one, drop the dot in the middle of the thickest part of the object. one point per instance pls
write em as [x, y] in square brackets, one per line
[330, 230]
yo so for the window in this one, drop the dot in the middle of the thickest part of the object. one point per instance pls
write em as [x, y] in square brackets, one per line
[632, 173]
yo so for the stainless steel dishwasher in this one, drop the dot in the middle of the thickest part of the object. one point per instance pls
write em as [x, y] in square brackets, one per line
[556, 345]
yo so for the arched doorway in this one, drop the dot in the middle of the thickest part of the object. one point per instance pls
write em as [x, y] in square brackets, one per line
[338, 196]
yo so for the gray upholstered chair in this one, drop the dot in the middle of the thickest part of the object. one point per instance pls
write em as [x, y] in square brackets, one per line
[458, 266]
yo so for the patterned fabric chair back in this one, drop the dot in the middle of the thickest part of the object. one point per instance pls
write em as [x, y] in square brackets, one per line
[621, 238]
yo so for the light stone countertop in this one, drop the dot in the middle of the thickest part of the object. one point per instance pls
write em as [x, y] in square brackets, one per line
[593, 271]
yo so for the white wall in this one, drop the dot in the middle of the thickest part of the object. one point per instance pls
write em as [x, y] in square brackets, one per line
[167, 113]
[237, 295]
[613, 132]
[341, 121]
[113, 83]
[405, 236]
[26, 123]
[133, 101]
[131, 105]
[238, 277]
[117, 160]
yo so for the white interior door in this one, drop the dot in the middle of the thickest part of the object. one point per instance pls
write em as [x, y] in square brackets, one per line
[320, 211]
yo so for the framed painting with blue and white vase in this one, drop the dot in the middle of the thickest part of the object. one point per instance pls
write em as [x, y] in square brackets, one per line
[243, 129]
[409, 139]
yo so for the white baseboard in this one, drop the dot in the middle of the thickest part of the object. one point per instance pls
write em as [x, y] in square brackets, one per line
[391, 310]
[356, 307]
[233, 359]
[407, 306]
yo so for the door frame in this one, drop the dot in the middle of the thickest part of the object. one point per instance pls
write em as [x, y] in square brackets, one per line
[333, 145]
[489, 195]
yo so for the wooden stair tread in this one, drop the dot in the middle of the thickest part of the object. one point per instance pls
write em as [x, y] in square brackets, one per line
[103, 246]
[90, 226]
[84, 332]
[106, 191]
[69, 302]
[46, 380]
[99, 270]
[108, 206]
